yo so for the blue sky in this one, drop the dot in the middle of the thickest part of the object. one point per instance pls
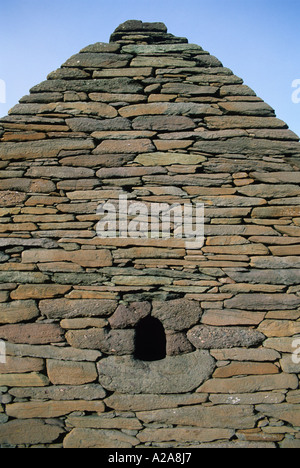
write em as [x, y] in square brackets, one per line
[258, 39]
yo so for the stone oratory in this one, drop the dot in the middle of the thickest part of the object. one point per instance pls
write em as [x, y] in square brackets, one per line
[144, 341]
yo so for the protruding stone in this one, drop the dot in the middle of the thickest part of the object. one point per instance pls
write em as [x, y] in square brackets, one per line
[178, 374]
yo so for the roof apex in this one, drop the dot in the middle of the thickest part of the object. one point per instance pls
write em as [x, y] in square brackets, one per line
[136, 31]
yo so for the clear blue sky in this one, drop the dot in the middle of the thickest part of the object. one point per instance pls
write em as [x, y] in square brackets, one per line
[258, 39]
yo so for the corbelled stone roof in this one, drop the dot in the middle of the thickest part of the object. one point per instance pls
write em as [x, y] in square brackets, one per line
[159, 120]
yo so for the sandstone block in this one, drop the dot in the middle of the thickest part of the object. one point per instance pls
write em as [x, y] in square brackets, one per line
[283, 412]
[129, 316]
[224, 417]
[245, 368]
[99, 438]
[98, 60]
[16, 365]
[142, 145]
[225, 317]
[184, 435]
[44, 148]
[251, 384]
[87, 392]
[177, 374]
[166, 123]
[39, 291]
[120, 342]
[207, 337]
[31, 432]
[71, 373]
[166, 108]
[18, 311]
[52, 352]
[59, 172]
[72, 308]
[179, 314]
[32, 379]
[51, 409]
[32, 333]
[125, 402]
[167, 159]
[263, 301]
[279, 328]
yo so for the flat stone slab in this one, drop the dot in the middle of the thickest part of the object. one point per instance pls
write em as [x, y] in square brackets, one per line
[179, 374]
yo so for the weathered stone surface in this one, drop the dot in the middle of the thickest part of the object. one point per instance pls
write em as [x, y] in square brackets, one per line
[167, 159]
[245, 145]
[283, 412]
[32, 379]
[178, 315]
[33, 333]
[279, 328]
[124, 85]
[207, 337]
[33, 431]
[241, 417]
[177, 343]
[105, 421]
[164, 123]
[85, 258]
[177, 374]
[240, 354]
[71, 373]
[269, 191]
[129, 316]
[142, 145]
[51, 409]
[52, 352]
[245, 368]
[43, 149]
[67, 308]
[255, 276]
[184, 435]
[59, 172]
[11, 198]
[60, 393]
[98, 438]
[96, 60]
[28, 185]
[16, 365]
[233, 121]
[18, 311]
[223, 317]
[39, 291]
[120, 342]
[263, 301]
[251, 384]
[89, 125]
[182, 108]
[127, 402]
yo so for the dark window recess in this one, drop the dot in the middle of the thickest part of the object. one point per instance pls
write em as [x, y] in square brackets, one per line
[150, 340]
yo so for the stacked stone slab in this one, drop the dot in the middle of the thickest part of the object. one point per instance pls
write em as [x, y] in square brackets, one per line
[155, 118]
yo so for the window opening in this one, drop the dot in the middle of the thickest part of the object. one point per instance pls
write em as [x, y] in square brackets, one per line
[150, 340]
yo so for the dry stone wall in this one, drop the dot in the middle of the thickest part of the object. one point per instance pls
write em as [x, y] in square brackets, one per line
[159, 120]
